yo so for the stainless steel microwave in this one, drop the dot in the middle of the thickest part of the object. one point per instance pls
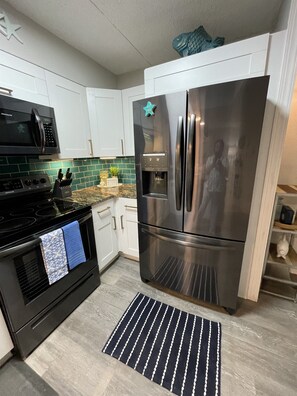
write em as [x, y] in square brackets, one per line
[27, 128]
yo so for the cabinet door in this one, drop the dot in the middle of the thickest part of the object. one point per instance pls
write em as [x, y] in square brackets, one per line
[235, 61]
[129, 96]
[105, 227]
[69, 101]
[129, 227]
[106, 120]
[6, 344]
[25, 80]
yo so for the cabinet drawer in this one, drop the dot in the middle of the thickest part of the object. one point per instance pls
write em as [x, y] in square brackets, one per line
[100, 213]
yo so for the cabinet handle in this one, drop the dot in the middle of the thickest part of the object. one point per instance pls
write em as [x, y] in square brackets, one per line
[103, 210]
[122, 224]
[114, 223]
[122, 145]
[8, 91]
[131, 207]
[91, 147]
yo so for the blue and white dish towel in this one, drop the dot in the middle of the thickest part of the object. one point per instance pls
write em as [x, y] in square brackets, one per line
[73, 244]
[54, 255]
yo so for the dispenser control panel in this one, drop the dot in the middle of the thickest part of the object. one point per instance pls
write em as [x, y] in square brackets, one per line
[154, 162]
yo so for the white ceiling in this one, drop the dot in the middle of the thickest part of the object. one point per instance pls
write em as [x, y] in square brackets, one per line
[127, 35]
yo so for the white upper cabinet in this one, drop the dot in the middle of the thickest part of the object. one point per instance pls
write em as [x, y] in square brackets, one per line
[106, 120]
[69, 101]
[243, 59]
[22, 79]
[129, 95]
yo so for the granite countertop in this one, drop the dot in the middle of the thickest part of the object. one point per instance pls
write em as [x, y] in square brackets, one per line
[94, 195]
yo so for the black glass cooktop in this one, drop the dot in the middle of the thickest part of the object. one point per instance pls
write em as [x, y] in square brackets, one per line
[21, 217]
[15, 214]
[27, 206]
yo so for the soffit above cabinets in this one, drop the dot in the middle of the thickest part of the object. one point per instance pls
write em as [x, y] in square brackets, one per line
[127, 35]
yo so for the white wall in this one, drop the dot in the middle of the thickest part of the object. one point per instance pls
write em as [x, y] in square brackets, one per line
[282, 20]
[46, 50]
[131, 79]
[288, 169]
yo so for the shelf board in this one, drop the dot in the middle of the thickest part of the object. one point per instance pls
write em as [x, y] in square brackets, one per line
[286, 190]
[280, 274]
[288, 228]
[290, 261]
[279, 290]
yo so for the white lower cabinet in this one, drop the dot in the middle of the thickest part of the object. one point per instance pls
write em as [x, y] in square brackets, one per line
[6, 344]
[116, 230]
[128, 227]
[105, 228]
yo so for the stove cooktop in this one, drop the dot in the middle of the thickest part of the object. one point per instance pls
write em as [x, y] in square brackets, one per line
[24, 211]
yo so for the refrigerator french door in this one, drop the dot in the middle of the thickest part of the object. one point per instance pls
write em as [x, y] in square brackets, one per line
[196, 155]
[159, 160]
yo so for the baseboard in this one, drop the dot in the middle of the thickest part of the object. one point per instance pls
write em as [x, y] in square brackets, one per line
[129, 257]
[5, 358]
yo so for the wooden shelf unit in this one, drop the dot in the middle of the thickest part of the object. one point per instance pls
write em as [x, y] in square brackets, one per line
[280, 275]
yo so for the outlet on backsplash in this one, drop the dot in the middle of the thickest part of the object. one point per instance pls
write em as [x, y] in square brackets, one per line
[85, 171]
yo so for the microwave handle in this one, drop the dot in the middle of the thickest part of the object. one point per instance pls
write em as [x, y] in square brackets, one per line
[41, 130]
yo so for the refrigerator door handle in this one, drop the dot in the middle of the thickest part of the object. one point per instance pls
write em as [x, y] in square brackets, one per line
[190, 163]
[187, 243]
[179, 149]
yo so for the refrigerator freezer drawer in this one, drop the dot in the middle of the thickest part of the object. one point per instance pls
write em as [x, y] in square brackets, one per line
[204, 268]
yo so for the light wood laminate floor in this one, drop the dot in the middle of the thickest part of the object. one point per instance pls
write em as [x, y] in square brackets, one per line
[259, 343]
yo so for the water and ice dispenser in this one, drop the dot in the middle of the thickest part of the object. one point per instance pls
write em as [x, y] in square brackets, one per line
[154, 174]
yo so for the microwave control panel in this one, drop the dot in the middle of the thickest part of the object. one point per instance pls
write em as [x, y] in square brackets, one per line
[49, 135]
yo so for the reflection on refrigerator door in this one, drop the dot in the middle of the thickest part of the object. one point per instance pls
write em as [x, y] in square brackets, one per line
[226, 137]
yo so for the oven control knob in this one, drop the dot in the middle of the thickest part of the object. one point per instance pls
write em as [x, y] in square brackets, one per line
[28, 182]
[42, 180]
[35, 181]
[8, 186]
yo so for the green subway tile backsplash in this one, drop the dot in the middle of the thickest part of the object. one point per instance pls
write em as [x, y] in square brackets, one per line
[85, 172]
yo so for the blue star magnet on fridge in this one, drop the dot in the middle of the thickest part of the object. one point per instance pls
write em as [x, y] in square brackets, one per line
[149, 109]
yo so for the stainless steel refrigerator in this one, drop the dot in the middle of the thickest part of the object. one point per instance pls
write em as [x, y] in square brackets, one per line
[196, 154]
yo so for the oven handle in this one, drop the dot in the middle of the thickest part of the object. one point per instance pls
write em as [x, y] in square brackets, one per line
[84, 219]
[34, 242]
[20, 248]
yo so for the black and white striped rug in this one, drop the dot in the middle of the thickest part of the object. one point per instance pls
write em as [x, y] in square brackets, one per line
[177, 350]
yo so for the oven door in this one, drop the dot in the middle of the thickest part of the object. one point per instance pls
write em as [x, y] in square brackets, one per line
[24, 286]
